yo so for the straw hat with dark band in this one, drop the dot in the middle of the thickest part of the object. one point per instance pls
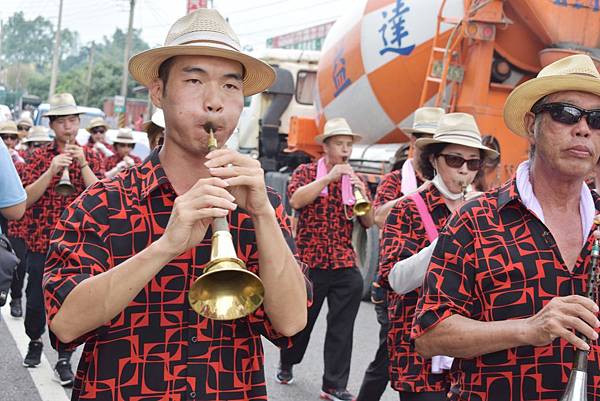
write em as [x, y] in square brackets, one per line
[8, 127]
[426, 121]
[38, 134]
[202, 33]
[96, 122]
[573, 73]
[336, 127]
[457, 129]
[62, 104]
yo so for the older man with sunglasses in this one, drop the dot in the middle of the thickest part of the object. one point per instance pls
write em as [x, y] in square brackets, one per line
[503, 292]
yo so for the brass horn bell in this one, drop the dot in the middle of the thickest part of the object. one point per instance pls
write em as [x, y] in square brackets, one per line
[362, 205]
[226, 290]
[64, 187]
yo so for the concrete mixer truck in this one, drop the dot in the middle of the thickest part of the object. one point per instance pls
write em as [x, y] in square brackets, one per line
[385, 58]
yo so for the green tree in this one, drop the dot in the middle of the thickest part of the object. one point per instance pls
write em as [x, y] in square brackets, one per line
[32, 41]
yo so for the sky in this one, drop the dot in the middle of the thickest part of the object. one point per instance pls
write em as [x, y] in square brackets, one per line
[253, 20]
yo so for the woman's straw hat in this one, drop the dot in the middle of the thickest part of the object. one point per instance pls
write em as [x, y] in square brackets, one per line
[96, 122]
[8, 127]
[426, 120]
[38, 133]
[458, 129]
[124, 135]
[203, 32]
[336, 127]
[573, 73]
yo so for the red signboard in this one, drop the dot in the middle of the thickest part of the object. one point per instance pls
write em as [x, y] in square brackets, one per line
[303, 35]
[193, 5]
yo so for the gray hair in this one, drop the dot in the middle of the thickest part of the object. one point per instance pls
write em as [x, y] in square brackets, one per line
[537, 124]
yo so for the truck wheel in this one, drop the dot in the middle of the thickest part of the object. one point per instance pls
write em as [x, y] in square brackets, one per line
[366, 246]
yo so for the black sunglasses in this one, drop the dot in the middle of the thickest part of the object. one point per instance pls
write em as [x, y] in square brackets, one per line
[569, 114]
[457, 162]
[98, 130]
[23, 127]
[125, 145]
[9, 136]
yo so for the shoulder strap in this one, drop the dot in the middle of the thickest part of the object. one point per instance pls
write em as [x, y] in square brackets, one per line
[432, 232]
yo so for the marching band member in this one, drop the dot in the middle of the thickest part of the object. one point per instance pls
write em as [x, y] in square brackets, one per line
[499, 294]
[124, 254]
[123, 158]
[390, 189]
[321, 192]
[450, 159]
[97, 139]
[41, 174]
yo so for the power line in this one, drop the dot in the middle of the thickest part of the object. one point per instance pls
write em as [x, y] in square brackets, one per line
[322, 3]
[302, 24]
[258, 7]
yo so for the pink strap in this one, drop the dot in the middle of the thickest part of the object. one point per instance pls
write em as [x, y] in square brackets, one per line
[432, 232]
[347, 193]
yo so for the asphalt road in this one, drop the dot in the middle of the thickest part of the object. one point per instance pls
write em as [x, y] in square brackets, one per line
[19, 383]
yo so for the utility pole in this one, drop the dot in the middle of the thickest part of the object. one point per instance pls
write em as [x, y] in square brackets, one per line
[56, 53]
[88, 81]
[126, 60]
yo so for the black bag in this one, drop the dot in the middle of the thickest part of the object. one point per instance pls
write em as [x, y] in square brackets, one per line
[8, 265]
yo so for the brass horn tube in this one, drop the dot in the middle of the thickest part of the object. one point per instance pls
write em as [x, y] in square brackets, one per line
[64, 187]
[362, 206]
[226, 290]
[577, 385]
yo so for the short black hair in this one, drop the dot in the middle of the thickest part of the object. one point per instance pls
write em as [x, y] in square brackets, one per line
[163, 72]
[424, 164]
[54, 118]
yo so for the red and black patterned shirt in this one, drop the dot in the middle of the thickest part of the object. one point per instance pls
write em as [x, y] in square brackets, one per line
[158, 348]
[403, 236]
[90, 146]
[389, 188]
[324, 231]
[112, 161]
[18, 228]
[43, 214]
[495, 260]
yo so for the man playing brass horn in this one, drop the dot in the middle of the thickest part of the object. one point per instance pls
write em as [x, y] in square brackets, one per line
[125, 253]
[321, 192]
[504, 291]
[41, 175]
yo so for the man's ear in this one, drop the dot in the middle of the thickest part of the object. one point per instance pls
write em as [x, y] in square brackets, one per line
[156, 92]
[529, 119]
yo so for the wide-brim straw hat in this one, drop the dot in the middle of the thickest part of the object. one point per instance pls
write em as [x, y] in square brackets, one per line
[26, 121]
[124, 135]
[336, 127]
[62, 104]
[9, 127]
[573, 73]
[425, 121]
[203, 32]
[457, 129]
[96, 122]
[38, 133]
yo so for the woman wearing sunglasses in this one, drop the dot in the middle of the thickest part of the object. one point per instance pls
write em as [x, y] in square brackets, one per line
[450, 160]
[123, 158]
[97, 140]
